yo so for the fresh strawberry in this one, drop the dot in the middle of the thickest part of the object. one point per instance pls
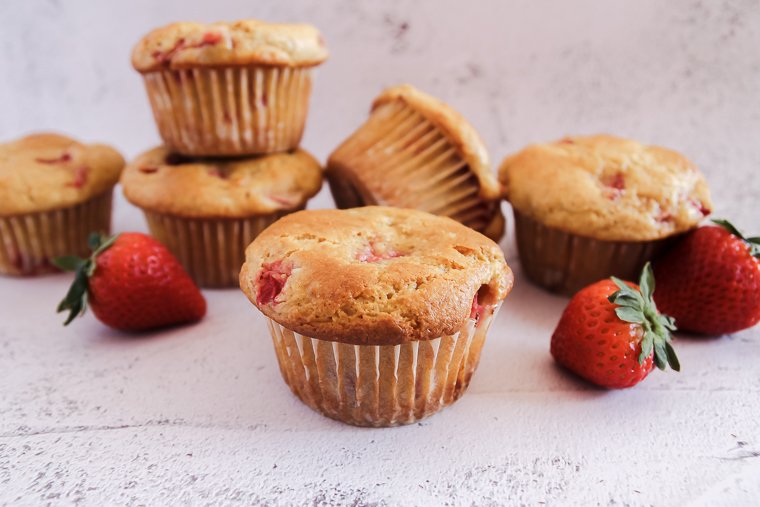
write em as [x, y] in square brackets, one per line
[710, 281]
[611, 333]
[131, 282]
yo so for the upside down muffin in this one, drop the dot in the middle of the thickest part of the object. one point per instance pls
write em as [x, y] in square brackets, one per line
[207, 211]
[54, 191]
[587, 208]
[225, 89]
[414, 151]
[378, 315]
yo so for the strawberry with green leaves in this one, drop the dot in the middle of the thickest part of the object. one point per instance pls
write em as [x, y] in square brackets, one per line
[131, 282]
[710, 281]
[612, 335]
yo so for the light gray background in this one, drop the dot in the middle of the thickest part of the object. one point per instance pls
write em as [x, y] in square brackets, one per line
[200, 414]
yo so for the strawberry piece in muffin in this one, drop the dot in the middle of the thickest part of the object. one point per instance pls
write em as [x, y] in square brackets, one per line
[270, 281]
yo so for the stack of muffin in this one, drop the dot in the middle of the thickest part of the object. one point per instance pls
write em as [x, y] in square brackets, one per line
[230, 101]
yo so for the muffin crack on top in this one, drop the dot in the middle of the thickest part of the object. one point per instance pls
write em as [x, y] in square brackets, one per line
[372, 275]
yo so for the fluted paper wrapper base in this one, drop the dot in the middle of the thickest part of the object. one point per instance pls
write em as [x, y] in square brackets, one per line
[230, 111]
[379, 385]
[399, 158]
[29, 242]
[211, 250]
[565, 263]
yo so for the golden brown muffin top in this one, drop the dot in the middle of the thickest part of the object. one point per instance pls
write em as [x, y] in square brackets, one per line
[42, 172]
[221, 188]
[454, 126]
[245, 42]
[373, 275]
[606, 187]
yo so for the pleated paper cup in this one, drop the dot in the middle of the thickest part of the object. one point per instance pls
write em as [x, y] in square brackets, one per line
[211, 250]
[230, 111]
[565, 263]
[380, 385]
[29, 242]
[400, 158]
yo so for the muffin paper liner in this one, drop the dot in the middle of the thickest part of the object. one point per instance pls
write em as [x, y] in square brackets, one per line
[211, 250]
[380, 385]
[565, 263]
[404, 160]
[29, 242]
[230, 111]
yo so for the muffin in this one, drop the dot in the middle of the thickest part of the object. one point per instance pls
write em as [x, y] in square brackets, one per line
[587, 208]
[378, 315]
[225, 89]
[414, 151]
[54, 191]
[207, 212]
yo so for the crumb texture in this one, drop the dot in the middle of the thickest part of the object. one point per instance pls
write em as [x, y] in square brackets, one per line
[372, 275]
[244, 42]
[43, 172]
[607, 188]
[231, 188]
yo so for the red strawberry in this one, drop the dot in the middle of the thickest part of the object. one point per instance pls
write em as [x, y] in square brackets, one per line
[611, 333]
[710, 281]
[131, 282]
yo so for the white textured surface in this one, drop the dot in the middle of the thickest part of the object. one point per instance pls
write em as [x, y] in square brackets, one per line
[199, 415]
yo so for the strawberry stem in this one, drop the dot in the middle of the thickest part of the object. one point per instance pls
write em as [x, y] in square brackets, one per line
[75, 301]
[638, 307]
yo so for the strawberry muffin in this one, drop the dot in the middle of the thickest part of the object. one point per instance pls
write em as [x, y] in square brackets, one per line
[54, 191]
[587, 208]
[238, 88]
[378, 315]
[414, 151]
[206, 212]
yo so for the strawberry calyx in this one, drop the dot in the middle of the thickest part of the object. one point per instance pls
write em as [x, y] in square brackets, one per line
[753, 243]
[75, 301]
[637, 306]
